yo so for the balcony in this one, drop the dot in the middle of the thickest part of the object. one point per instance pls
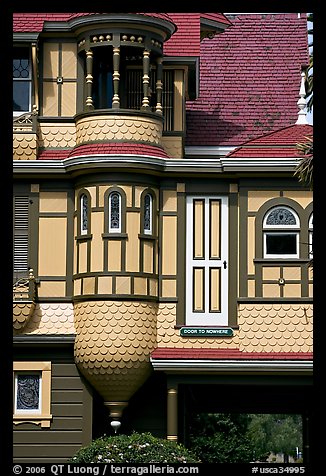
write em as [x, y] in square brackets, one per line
[24, 292]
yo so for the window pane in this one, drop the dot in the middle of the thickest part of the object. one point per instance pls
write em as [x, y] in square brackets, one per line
[115, 211]
[279, 244]
[21, 95]
[28, 392]
[280, 217]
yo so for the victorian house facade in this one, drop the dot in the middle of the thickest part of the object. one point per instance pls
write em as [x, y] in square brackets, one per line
[161, 240]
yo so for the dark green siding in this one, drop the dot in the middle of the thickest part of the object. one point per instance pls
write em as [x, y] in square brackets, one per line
[71, 407]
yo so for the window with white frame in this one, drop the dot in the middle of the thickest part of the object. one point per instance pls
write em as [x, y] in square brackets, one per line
[281, 227]
[32, 393]
[148, 214]
[28, 390]
[83, 214]
[22, 80]
[310, 236]
[115, 212]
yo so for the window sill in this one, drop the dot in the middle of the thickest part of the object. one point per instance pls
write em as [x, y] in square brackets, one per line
[143, 236]
[277, 260]
[87, 236]
[115, 236]
[43, 420]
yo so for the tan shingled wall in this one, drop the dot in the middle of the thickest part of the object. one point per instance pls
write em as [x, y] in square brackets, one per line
[113, 345]
[272, 327]
[50, 318]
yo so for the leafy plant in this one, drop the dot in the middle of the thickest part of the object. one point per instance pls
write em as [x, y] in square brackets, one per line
[221, 438]
[134, 448]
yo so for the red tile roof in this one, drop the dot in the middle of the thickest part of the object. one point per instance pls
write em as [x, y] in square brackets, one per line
[109, 148]
[184, 42]
[226, 354]
[53, 154]
[281, 143]
[249, 79]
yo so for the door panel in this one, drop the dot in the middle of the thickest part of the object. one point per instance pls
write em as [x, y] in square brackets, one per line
[207, 257]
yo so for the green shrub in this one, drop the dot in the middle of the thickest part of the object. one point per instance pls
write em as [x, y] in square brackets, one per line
[134, 448]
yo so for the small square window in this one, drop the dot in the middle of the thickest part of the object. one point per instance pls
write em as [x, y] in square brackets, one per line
[32, 393]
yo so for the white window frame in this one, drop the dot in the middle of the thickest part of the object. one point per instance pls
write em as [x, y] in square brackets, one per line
[114, 230]
[41, 416]
[150, 231]
[83, 231]
[310, 233]
[29, 80]
[281, 230]
[33, 411]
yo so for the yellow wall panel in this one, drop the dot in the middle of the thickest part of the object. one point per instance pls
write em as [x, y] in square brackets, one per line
[52, 289]
[77, 287]
[169, 288]
[82, 265]
[122, 285]
[292, 272]
[140, 286]
[89, 285]
[114, 255]
[69, 60]
[132, 245]
[53, 201]
[148, 257]
[50, 99]
[52, 246]
[251, 288]
[128, 191]
[104, 285]
[169, 245]
[311, 290]
[68, 99]
[303, 197]
[97, 242]
[51, 60]
[257, 198]
[292, 290]
[271, 290]
[169, 201]
[251, 245]
[153, 288]
[271, 272]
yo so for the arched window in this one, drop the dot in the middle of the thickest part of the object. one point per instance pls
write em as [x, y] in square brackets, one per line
[148, 214]
[83, 214]
[310, 225]
[114, 212]
[281, 233]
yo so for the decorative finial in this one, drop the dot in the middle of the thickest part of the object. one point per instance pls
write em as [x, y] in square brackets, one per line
[302, 104]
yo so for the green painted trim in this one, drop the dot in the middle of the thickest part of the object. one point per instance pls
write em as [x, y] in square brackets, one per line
[276, 300]
[243, 252]
[233, 259]
[181, 258]
[114, 297]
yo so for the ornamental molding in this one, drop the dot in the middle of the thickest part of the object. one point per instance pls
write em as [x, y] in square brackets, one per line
[189, 365]
[159, 164]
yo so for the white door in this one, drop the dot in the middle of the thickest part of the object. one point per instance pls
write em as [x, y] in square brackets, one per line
[207, 261]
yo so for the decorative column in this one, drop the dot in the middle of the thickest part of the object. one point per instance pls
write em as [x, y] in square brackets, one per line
[35, 107]
[159, 85]
[116, 78]
[172, 414]
[89, 79]
[145, 103]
